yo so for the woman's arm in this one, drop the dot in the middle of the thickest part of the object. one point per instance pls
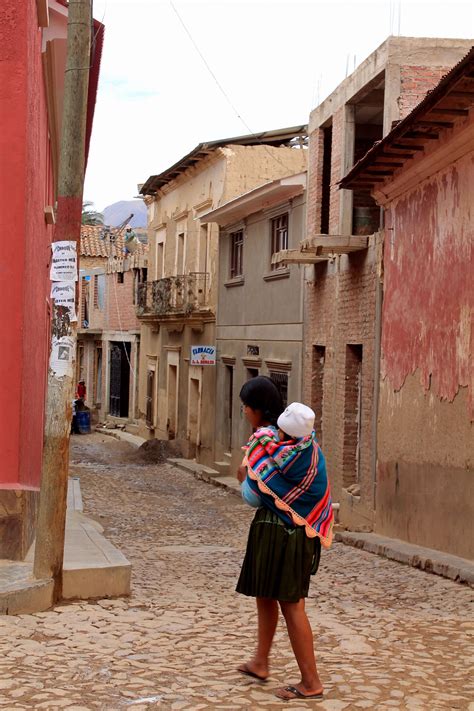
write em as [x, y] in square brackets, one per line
[249, 496]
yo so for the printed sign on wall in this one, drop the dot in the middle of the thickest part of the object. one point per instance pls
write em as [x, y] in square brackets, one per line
[203, 355]
[64, 261]
[62, 356]
[64, 294]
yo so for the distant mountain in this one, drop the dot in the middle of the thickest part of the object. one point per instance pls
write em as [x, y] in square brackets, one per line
[116, 213]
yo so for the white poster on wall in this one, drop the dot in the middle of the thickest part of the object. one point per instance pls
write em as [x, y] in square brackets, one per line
[64, 294]
[63, 261]
[203, 355]
[62, 356]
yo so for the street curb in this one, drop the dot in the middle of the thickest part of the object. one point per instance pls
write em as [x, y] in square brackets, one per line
[122, 436]
[426, 559]
[202, 475]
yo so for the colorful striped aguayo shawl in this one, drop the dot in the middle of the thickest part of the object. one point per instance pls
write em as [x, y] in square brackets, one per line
[290, 478]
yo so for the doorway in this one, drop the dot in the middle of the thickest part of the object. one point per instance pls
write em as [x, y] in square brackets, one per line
[352, 415]
[229, 404]
[119, 379]
[194, 410]
[317, 389]
[172, 424]
[150, 396]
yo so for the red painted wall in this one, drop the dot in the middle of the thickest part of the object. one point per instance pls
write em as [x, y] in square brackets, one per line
[25, 189]
[428, 292]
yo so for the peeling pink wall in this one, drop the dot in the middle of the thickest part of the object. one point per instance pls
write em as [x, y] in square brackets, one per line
[428, 283]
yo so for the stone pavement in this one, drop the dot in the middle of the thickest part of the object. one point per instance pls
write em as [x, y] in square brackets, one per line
[388, 636]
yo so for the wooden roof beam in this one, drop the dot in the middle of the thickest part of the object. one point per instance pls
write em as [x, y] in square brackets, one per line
[450, 112]
[462, 94]
[393, 164]
[408, 146]
[421, 134]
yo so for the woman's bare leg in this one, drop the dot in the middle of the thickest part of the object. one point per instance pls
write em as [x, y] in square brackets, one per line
[301, 638]
[267, 623]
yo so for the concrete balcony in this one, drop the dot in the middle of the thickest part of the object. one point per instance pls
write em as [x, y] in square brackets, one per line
[184, 295]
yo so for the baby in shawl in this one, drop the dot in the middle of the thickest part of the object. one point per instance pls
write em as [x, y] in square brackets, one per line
[297, 421]
[286, 472]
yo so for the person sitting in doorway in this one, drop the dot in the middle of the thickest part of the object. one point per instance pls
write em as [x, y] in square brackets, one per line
[81, 390]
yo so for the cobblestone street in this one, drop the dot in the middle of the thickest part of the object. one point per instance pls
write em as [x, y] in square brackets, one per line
[387, 636]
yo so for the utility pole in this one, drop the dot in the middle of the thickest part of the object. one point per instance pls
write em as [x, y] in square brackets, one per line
[49, 551]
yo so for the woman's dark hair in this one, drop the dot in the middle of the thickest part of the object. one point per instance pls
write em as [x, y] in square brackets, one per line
[262, 394]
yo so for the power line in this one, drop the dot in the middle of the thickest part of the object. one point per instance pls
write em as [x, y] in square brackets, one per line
[223, 91]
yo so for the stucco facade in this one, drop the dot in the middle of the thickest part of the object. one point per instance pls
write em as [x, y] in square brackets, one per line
[425, 477]
[32, 63]
[178, 306]
[343, 298]
[259, 328]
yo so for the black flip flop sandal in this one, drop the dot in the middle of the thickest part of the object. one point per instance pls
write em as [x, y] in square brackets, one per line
[299, 695]
[248, 672]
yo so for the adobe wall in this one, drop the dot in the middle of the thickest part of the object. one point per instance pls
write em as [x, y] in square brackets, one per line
[425, 481]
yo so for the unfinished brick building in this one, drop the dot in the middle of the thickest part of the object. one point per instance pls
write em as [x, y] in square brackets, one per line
[424, 491]
[343, 251]
[109, 331]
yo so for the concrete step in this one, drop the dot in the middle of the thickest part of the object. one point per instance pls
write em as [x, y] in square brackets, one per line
[432, 561]
[132, 439]
[227, 456]
[203, 473]
[132, 428]
[223, 468]
[20, 592]
[93, 567]
[190, 465]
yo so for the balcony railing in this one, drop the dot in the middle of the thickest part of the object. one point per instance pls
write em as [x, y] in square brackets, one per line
[182, 294]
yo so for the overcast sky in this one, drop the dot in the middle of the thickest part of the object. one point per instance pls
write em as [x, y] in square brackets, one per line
[275, 59]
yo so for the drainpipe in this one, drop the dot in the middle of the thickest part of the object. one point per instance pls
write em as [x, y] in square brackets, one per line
[377, 350]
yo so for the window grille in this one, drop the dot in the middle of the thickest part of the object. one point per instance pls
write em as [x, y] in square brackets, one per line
[279, 227]
[236, 253]
[281, 381]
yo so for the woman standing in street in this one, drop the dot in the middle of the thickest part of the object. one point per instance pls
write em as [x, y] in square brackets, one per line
[284, 474]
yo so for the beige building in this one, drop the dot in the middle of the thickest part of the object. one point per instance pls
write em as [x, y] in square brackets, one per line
[177, 306]
[259, 329]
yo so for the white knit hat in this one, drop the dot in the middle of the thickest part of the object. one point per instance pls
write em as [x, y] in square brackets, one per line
[297, 420]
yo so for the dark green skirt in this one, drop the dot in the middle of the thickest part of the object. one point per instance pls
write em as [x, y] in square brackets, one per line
[279, 559]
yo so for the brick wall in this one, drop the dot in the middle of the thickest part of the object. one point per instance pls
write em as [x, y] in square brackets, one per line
[86, 288]
[121, 310]
[415, 82]
[341, 311]
[336, 168]
[315, 181]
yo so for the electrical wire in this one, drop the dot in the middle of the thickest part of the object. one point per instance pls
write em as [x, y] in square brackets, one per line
[223, 91]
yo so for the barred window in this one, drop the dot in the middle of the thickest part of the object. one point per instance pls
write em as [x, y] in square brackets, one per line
[281, 381]
[236, 253]
[279, 232]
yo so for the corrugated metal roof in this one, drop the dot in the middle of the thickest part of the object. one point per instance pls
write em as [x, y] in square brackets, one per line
[268, 138]
[449, 102]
